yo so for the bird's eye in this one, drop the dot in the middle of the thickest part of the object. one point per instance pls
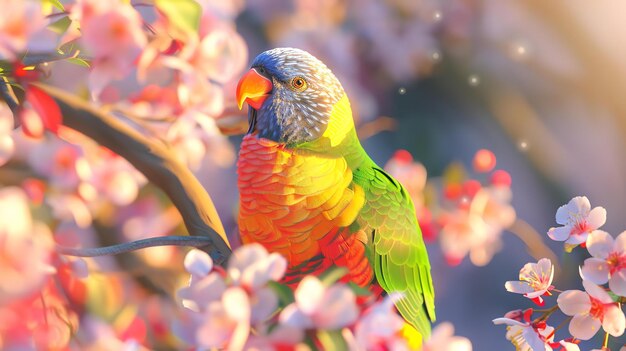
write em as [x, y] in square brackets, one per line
[298, 83]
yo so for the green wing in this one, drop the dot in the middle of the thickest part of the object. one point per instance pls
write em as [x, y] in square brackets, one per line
[397, 250]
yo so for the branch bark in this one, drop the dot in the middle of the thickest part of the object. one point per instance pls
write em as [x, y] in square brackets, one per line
[155, 161]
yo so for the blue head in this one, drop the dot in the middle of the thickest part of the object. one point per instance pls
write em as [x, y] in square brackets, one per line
[291, 95]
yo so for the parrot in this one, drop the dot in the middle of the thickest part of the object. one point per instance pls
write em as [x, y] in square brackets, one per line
[309, 191]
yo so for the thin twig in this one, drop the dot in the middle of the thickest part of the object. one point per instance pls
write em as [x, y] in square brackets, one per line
[172, 240]
[157, 163]
[7, 94]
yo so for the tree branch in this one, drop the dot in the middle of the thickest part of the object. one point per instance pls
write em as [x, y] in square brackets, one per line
[155, 161]
[173, 240]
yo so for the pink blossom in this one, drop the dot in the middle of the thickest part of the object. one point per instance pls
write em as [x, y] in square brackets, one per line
[526, 335]
[7, 145]
[25, 247]
[380, 327]
[591, 309]
[443, 339]
[608, 263]
[321, 307]
[113, 34]
[535, 280]
[19, 21]
[577, 220]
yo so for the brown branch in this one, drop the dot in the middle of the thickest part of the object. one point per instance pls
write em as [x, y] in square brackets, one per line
[170, 240]
[155, 161]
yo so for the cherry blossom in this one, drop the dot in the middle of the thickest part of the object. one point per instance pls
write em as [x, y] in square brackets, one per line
[21, 274]
[380, 327]
[535, 280]
[608, 263]
[19, 21]
[578, 219]
[443, 339]
[526, 335]
[7, 144]
[318, 306]
[591, 309]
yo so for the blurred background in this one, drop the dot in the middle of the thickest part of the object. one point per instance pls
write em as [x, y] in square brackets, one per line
[539, 83]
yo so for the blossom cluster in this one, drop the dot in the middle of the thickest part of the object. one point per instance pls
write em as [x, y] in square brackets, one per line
[468, 216]
[597, 307]
[244, 306]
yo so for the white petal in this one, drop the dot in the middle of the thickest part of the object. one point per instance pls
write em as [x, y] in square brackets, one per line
[597, 292]
[579, 204]
[562, 215]
[617, 283]
[573, 302]
[560, 233]
[518, 287]
[599, 244]
[277, 266]
[198, 263]
[237, 304]
[265, 303]
[620, 243]
[508, 321]
[614, 321]
[339, 308]
[577, 239]
[597, 217]
[584, 327]
[309, 294]
[533, 340]
[595, 270]
[293, 316]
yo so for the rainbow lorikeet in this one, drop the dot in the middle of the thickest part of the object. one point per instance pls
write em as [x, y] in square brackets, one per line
[309, 191]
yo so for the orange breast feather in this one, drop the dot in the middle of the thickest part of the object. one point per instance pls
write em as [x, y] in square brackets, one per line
[300, 205]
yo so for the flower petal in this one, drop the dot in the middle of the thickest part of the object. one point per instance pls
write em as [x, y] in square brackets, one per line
[595, 270]
[579, 204]
[198, 263]
[518, 287]
[292, 316]
[597, 292]
[620, 243]
[560, 233]
[599, 244]
[614, 321]
[573, 302]
[584, 327]
[508, 321]
[309, 294]
[597, 217]
[562, 215]
[617, 283]
[339, 308]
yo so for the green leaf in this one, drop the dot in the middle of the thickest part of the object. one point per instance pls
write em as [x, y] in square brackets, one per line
[183, 14]
[285, 295]
[332, 275]
[332, 340]
[55, 3]
[61, 25]
[78, 61]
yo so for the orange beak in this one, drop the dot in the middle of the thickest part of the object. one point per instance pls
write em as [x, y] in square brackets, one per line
[253, 88]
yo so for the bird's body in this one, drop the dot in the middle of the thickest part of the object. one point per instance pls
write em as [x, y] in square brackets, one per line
[309, 191]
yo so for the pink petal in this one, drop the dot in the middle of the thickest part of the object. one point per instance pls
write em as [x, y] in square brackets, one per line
[579, 204]
[573, 302]
[309, 295]
[339, 308]
[577, 239]
[599, 244]
[559, 233]
[620, 243]
[198, 263]
[597, 292]
[237, 304]
[584, 327]
[595, 270]
[533, 340]
[508, 321]
[277, 266]
[265, 303]
[614, 321]
[617, 283]
[597, 217]
[518, 287]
